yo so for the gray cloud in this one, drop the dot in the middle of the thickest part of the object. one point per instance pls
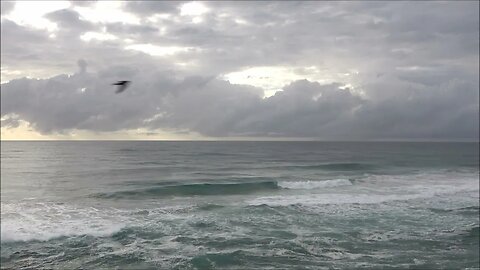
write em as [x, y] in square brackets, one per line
[417, 63]
[130, 30]
[153, 7]
[214, 107]
[6, 6]
[69, 21]
[82, 64]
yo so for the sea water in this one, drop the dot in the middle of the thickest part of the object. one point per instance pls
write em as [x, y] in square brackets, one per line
[239, 205]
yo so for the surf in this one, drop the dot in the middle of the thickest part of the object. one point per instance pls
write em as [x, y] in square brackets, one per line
[196, 189]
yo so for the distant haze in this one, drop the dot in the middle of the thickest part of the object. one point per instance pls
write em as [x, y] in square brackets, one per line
[373, 70]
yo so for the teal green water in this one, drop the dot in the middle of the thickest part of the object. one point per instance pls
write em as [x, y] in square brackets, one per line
[239, 205]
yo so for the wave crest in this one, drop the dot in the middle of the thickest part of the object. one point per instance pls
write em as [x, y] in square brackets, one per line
[205, 189]
[315, 184]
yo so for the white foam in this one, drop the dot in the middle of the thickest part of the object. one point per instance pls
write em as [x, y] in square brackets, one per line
[426, 178]
[378, 192]
[44, 221]
[314, 199]
[315, 184]
[14, 232]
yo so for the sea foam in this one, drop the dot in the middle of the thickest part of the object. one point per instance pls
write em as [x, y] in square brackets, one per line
[315, 184]
[374, 193]
[45, 221]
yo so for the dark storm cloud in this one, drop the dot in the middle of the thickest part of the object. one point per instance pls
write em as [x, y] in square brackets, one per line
[417, 64]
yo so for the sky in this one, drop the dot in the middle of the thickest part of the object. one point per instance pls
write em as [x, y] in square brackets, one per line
[314, 70]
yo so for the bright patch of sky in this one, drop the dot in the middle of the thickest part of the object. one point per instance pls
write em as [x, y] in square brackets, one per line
[107, 12]
[159, 16]
[155, 50]
[273, 78]
[193, 9]
[30, 13]
[7, 74]
[88, 36]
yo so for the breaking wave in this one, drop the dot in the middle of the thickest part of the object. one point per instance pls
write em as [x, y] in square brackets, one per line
[315, 184]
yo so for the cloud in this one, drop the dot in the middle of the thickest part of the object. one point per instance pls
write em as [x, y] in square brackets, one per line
[69, 21]
[82, 64]
[152, 7]
[6, 6]
[213, 107]
[347, 69]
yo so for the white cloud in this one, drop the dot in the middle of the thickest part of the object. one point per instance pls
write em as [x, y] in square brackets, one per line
[197, 19]
[241, 21]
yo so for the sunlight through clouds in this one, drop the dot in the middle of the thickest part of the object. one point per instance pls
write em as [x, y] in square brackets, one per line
[30, 13]
[107, 11]
[157, 50]
[193, 9]
[273, 78]
[97, 36]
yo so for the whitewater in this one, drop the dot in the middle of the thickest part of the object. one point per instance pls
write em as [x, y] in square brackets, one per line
[239, 205]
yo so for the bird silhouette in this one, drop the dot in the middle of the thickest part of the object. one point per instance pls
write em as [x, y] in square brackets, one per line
[122, 85]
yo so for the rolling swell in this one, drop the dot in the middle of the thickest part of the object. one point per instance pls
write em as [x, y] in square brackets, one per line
[340, 166]
[203, 189]
[343, 166]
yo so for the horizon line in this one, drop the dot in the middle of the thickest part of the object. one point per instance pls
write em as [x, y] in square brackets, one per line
[245, 140]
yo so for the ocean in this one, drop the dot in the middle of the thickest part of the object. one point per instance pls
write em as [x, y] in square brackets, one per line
[239, 205]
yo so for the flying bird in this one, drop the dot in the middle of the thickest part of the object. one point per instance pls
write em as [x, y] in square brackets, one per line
[122, 85]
